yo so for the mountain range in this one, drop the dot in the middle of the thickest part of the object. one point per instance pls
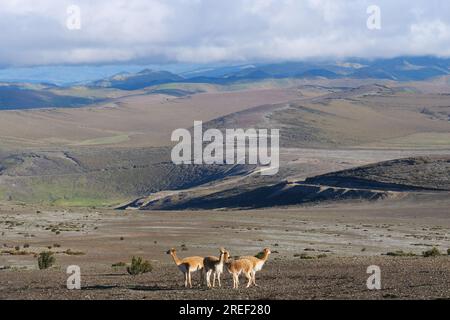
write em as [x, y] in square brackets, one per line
[31, 95]
[396, 69]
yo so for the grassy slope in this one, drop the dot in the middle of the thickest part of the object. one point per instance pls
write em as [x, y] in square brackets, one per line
[96, 177]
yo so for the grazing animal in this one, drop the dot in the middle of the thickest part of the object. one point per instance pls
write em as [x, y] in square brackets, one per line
[258, 262]
[236, 267]
[187, 266]
[214, 265]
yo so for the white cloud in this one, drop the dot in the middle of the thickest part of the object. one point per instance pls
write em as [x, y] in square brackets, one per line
[34, 32]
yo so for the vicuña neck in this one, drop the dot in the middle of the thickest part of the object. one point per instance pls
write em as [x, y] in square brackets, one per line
[175, 258]
[222, 258]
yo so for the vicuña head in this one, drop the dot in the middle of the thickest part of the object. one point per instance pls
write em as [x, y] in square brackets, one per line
[171, 251]
[267, 252]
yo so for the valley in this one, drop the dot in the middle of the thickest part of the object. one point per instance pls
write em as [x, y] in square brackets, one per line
[363, 179]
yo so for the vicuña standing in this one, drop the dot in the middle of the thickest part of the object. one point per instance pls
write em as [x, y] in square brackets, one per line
[258, 262]
[236, 267]
[187, 266]
[214, 265]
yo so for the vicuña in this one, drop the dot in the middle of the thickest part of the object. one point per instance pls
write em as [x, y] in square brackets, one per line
[214, 265]
[188, 266]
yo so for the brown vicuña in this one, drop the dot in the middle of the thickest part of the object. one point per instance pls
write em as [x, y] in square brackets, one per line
[236, 267]
[258, 263]
[187, 266]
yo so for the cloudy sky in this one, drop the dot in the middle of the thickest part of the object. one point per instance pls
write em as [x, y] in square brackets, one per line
[35, 32]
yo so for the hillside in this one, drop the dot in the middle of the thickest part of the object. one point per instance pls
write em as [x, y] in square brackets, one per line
[140, 80]
[97, 177]
[16, 97]
[431, 173]
[392, 179]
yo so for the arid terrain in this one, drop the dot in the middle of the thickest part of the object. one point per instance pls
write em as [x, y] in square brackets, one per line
[364, 180]
[320, 252]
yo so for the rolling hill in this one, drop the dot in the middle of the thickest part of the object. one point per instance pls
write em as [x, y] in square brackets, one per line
[391, 179]
[17, 97]
[140, 80]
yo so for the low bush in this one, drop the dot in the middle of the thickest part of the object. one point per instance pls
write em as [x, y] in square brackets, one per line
[138, 266]
[431, 253]
[46, 260]
[400, 253]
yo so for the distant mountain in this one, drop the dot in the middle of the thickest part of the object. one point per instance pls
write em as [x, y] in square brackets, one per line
[319, 73]
[216, 72]
[14, 97]
[398, 69]
[136, 81]
[34, 95]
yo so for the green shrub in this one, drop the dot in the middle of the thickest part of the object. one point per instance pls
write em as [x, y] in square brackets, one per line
[448, 252]
[431, 253]
[46, 260]
[400, 253]
[260, 255]
[69, 252]
[138, 266]
[303, 256]
[118, 264]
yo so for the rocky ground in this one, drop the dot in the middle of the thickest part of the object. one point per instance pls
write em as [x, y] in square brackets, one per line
[319, 252]
[327, 278]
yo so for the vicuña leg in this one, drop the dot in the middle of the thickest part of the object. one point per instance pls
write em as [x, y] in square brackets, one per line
[189, 279]
[249, 277]
[208, 278]
[254, 279]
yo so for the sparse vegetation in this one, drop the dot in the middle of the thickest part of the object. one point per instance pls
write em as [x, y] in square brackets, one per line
[431, 253]
[138, 266]
[73, 253]
[16, 252]
[303, 256]
[401, 253]
[259, 255]
[119, 264]
[46, 260]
